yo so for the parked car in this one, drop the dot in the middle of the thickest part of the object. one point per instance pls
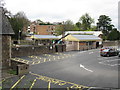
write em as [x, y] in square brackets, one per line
[105, 48]
[119, 54]
[109, 52]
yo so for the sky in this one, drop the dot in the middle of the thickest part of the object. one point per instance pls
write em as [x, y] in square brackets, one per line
[62, 10]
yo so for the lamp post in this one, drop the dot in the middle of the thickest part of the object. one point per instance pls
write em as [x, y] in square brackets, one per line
[33, 34]
[19, 34]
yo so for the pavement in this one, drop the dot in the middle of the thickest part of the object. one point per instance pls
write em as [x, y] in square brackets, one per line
[74, 69]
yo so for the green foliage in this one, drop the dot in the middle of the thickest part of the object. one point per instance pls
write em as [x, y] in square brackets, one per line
[12, 72]
[18, 22]
[40, 22]
[104, 24]
[85, 22]
[78, 25]
[59, 30]
[76, 28]
[66, 26]
[114, 35]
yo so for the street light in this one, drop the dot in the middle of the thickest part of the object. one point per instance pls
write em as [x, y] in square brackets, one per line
[19, 34]
[33, 34]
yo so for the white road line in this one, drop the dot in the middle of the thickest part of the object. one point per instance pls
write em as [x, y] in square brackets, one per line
[107, 61]
[82, 52]
[85, 68]
[90, 52]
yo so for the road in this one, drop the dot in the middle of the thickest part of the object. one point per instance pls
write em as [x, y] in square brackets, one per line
[73, 69]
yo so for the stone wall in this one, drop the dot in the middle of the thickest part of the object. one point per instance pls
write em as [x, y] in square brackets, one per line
[114, 44]
[36, 50]
[19, 67]
[6, 51]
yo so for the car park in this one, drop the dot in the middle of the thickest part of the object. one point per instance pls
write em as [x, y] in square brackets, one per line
[109, 52]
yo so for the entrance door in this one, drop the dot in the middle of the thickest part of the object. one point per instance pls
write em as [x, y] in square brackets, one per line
[97, 44]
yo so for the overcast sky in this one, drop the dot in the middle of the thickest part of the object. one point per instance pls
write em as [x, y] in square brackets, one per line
[62, 10]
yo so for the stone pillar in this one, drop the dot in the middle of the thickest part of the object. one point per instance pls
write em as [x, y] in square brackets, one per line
[6, 39]
[0, 60]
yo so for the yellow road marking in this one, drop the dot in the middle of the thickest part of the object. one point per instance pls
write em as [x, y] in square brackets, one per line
[44, 60]
[68, 88]
[33, 63]
[33, 84]
[58, 82]
[27, 62]
[17, 82]
[2, 80]
[38, 62]
[49, 86]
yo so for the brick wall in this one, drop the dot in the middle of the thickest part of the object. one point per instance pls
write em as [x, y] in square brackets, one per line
[42, 29]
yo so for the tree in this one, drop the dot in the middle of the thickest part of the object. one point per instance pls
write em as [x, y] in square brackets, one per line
[104, 24]
[78, 25]
[66, 26]
[18, 22]
[6, 12]
[85, 22]
[114, 35]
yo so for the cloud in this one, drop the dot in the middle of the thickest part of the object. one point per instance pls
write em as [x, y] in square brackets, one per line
[60, 10]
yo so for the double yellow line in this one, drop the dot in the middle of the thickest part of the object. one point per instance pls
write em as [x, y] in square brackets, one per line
[17, 82]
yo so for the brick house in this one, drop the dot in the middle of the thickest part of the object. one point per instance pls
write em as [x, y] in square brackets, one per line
[35, 28]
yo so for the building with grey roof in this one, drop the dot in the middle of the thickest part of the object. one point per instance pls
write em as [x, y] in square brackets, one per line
[96, 33]
[5, 26]
[87, 37]
[42, 37]
[82, 42]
